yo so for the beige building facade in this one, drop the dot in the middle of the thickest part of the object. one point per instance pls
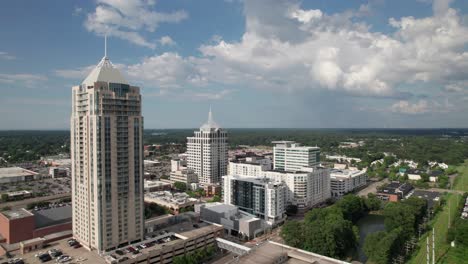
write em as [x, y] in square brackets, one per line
[107, 160]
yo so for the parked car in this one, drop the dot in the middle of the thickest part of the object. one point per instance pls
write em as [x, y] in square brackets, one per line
[119, 252]
[44, 257]
[55, 253]
[63, 259]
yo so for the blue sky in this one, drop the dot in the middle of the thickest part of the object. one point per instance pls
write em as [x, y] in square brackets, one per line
[258, 63]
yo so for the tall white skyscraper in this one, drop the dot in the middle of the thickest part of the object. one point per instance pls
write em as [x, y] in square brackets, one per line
[107, 160]
[208, 152]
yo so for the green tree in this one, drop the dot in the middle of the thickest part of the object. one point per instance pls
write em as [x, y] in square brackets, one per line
[327, 232]
[181, 186]
[381, 247]
[293, 233]
[4, 197]
[399, 215]
[215, 199]
[352, 207]
[372, 203]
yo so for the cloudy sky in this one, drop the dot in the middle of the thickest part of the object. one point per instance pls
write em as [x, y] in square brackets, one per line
[258, 63]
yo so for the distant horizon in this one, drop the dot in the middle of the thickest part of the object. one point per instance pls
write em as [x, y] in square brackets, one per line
[285, 128]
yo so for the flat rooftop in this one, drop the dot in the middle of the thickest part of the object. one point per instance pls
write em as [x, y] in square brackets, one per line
[15, 172]
[271, 252]
[167, 236]
[53, 216]
[345, 173]
[16, 214]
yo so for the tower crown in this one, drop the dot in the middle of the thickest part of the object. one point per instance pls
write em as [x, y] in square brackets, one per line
[210, 124]
[104, 72]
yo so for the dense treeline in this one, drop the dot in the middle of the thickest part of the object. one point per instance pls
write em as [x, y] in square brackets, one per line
[330, 231]
[448, 146]
[401, 224]
[19, 146]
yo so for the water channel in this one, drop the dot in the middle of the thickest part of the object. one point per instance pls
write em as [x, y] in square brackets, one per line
[367, 225]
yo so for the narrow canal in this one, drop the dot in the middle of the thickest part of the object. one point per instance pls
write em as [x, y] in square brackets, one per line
[367, 225]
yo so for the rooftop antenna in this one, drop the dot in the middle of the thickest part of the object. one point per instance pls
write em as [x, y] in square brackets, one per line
[210, 117]
[105, 46]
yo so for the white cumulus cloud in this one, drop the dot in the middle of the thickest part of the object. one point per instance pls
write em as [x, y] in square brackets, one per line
[126, 19]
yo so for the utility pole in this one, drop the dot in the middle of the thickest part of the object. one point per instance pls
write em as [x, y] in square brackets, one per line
[427, 250]
[433, 245]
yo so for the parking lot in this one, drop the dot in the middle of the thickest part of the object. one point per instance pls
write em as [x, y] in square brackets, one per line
[78, 255]
[42, 187]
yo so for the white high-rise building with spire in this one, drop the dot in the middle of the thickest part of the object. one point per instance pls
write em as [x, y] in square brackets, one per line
[107, 160]
[208, 152]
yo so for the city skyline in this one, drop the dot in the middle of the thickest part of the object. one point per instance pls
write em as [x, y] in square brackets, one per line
[339, 64]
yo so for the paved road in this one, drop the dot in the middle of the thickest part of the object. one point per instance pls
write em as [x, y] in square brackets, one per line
[23, 203]
[444, 190]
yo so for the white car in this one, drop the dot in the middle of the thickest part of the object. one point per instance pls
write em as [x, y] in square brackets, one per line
[63, 259]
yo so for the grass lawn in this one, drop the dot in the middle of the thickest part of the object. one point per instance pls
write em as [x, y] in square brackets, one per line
[440, 223]
[461, 181]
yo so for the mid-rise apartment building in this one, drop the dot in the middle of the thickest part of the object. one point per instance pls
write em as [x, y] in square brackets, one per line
[250, 166]
[261, 197]
[291, 156]
[345, 181]
[107, 160]
[306, 186]
[208, 152]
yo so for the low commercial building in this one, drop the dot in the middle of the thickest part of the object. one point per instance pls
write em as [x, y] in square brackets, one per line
[156, 186]
[56, 172]
[343, 158]
[186, 176]
[434, 175]
[234, 221]
[414, 175]
[18, 195]
[17, 174]
[173, 201]
[180, 172]
[395, 191]
[20, 225]
[344, 181]
[212, 189]
[262, 197]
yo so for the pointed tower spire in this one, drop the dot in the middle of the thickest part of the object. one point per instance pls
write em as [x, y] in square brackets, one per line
[210, 123]
[210, 117]
[105, 46]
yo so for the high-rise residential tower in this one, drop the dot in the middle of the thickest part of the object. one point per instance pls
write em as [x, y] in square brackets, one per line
[107, 160]
[208, 152]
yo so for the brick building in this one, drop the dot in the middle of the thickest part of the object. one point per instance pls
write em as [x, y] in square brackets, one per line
[20, 225]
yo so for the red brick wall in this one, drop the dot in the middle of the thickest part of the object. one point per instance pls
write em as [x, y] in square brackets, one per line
[393, 198]
[4, 227]
[52, 229]
[16, 230]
